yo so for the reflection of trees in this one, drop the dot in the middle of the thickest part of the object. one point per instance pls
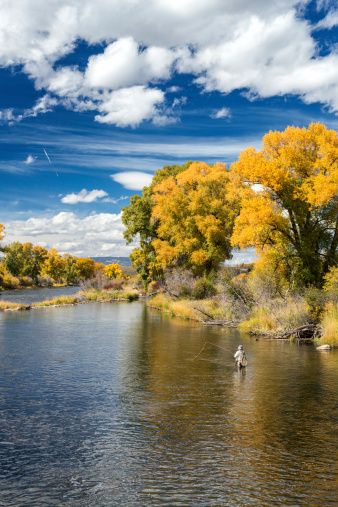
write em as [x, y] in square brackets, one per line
[203, 424]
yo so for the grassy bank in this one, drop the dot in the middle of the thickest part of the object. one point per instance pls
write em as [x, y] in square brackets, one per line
[99, 296]
[58, 301]
[107, 296]
[272, 319]
[5, 306]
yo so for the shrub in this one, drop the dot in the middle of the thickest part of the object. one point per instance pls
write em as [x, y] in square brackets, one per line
[113, 286]
[45, 281]
[154, 286]
[203, 289]
[132, 296]
[9, 281]
[25, 281]
[330, 326]
[316, 300]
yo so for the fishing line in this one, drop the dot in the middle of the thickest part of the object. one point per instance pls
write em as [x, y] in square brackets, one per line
[210, 343]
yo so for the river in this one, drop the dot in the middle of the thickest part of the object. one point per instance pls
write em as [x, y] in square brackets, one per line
[104, 405]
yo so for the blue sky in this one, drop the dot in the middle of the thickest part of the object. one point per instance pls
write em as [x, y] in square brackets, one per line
[114, 89]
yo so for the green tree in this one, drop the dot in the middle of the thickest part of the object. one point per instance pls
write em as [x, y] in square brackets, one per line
[141, 227]
[70, 271]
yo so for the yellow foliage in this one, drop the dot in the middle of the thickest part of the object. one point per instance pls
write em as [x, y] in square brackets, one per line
[113, 271]
[195, 210]
[2, 228]
[294, 209]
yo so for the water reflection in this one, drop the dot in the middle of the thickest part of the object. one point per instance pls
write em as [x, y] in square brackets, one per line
[103, 404]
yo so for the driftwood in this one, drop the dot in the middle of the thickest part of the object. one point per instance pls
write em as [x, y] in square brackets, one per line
[213, 322]
[304, 332]
[225, 323]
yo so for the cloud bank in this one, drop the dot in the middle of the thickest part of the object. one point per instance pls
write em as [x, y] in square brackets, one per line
[93, 235]
[261, 48]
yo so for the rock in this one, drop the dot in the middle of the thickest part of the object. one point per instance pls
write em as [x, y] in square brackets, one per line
[324, 347]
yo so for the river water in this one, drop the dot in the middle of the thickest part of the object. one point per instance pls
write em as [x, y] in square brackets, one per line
[104, 405]
[36, 295]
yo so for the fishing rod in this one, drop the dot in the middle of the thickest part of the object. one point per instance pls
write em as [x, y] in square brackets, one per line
[210, 343]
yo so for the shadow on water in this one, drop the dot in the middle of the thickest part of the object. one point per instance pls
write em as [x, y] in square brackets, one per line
[102, 404]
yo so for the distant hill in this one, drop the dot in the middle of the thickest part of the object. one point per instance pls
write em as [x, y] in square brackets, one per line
[122, 261]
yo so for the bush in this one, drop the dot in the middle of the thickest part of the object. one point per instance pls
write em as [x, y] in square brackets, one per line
[154, 286]
[26, 281]
[203, 289]
[316, 300]
[113, 286]
[132, 296]
[45, 281]
[10, 282]
[330, 326]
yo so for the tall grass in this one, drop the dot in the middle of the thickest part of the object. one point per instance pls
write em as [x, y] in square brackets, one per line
[61, 300]
[13, 306]
[277, 316]
[330, 326]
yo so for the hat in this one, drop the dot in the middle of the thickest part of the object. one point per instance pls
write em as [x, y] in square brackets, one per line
[240, 346]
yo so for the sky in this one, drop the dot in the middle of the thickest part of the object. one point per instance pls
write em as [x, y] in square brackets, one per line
[96, 96]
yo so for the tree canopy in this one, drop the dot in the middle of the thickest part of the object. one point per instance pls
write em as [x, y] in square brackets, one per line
[290, 202]
[141, 227]
[195, 211]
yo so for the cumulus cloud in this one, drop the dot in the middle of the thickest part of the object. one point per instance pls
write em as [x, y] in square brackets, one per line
[133, 180]
[129, 106]
[84, 196]
[263, 48]
[98, 234]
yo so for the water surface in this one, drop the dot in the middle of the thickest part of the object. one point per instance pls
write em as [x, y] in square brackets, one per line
[35, 295]
[102, 405]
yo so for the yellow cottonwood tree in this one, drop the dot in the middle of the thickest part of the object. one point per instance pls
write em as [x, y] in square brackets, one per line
[113, 271]
[195, 210]
[290, 202]
[2, 228]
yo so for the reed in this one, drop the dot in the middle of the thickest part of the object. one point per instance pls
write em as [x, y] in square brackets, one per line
[61, 300]
[330, 326]
[4, 305]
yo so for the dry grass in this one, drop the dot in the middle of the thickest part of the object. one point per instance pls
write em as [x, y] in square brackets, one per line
[13, 306]
[107, 296]
[182, 308]
[62, 300]
[330, 326]
[277, 316]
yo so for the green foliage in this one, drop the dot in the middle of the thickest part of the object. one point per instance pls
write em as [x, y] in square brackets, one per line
[138, 222]
[203, 289]
[316, 300]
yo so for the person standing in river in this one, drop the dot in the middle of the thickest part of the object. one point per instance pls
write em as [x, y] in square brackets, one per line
[240, 357]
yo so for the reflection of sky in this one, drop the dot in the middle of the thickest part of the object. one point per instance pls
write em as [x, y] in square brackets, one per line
[104, 402]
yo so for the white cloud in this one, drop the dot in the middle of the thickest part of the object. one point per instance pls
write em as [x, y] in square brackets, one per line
[30, 159]
[133, 180]
[84, 196]
[94, 235]
[262, 47]
[130, 106]
[221, 113]
[330, 20]
[122, 64]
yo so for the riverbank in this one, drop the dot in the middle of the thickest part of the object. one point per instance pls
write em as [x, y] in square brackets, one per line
[79, 298]
[280, 320]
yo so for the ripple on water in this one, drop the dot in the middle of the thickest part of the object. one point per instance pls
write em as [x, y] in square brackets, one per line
[101, 405]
